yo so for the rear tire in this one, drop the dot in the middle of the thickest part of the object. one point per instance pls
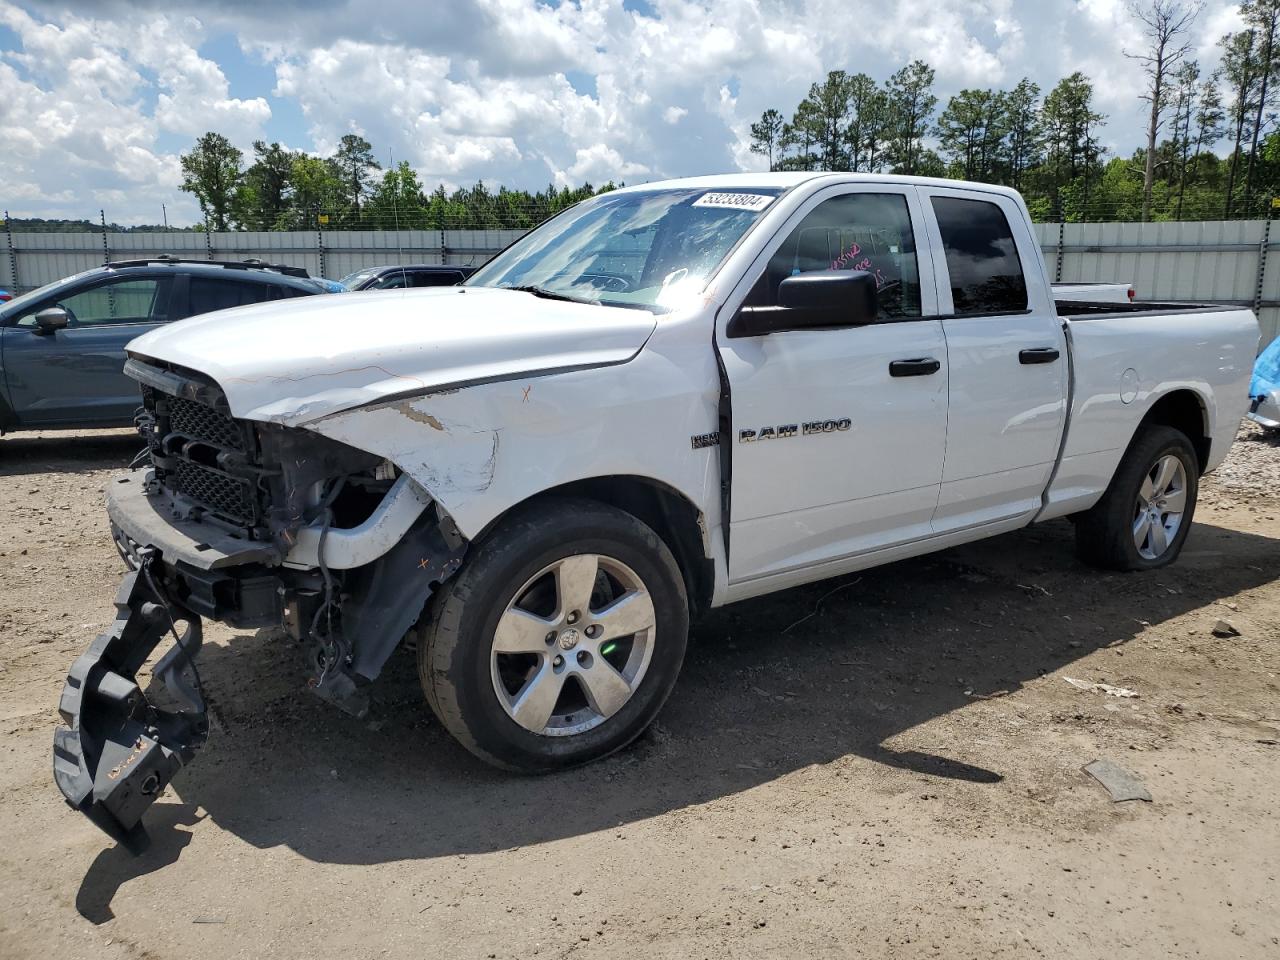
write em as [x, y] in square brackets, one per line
[559, 639]
[1143, 519]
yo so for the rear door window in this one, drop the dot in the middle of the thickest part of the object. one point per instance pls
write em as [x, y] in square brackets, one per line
[436, 278]
[982, 258]
[214, 293]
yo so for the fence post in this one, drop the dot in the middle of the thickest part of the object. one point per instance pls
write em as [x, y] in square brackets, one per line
[106, 251]
[320, 244]
[208, 239]
[444, 249]
[1263, 249]
[1062, 237]
[13, 254]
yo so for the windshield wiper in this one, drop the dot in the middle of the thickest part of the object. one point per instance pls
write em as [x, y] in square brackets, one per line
[552, 294]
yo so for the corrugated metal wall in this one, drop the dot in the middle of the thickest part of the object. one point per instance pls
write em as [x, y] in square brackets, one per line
[40, 258]
[1220, 261]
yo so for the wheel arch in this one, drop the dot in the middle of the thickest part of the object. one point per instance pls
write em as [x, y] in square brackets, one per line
[1184, 410]
[672, 516]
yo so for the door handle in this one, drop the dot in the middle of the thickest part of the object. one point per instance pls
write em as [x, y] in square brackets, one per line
[1038, 355]
[919, 367]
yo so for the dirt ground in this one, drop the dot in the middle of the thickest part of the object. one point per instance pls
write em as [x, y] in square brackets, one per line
[885, 766]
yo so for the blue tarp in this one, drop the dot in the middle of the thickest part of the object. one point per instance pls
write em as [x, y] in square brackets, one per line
[1266, 371]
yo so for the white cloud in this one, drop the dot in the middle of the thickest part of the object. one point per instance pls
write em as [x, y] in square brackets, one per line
[79, 133]
[494, 89]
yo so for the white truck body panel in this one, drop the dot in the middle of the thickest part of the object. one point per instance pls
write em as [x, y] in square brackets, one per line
[1094, 292]
[278, 362]
[488, 397]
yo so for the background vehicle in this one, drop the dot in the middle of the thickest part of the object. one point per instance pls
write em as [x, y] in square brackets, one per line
[5, 296]
[1094, 292]
[668, 398]
[62, 346]
[413, 275]
[1264, 390]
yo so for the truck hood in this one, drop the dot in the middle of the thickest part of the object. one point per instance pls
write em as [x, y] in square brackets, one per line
[295, 361]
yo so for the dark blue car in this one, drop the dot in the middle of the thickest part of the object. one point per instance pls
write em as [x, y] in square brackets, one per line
[62, 346]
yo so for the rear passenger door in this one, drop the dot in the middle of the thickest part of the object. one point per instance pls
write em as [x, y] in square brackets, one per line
[1007, 357]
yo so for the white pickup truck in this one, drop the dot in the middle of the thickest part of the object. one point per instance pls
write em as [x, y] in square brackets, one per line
[665, 399]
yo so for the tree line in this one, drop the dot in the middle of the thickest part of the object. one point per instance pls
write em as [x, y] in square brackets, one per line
[1049, 146]
[282, 189]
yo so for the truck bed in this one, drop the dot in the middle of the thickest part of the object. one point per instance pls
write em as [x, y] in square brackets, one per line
[1143, 351]
[1094, 310]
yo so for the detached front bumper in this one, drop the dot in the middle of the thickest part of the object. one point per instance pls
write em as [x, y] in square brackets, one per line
[118, 751]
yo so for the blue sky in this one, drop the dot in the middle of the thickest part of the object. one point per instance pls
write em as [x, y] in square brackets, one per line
[98, 98]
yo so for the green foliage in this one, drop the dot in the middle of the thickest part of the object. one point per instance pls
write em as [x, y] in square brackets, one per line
[1049, 148]
[287, 190]
[911, 104]
[355, 164]
[262, 197]
[211, 171]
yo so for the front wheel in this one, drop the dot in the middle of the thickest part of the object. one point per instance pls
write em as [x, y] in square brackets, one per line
[1143, 519]
[559, 639]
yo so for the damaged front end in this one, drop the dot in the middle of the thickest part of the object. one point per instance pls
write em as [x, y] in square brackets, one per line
[254, 525]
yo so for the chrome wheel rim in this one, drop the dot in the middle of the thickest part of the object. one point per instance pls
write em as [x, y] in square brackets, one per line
[573, 645]
[1162, 500]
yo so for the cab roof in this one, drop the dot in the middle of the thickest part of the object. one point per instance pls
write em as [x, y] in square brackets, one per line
[790, 179]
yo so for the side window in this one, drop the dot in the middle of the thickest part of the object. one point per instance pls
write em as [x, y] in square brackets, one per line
[392, 281]
[209, 294]
[858, 231]
[436, 278]
[982, 259]
[119, 301]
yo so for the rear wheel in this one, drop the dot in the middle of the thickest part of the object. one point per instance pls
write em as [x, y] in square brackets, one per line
[1143, 519]
[559, 639]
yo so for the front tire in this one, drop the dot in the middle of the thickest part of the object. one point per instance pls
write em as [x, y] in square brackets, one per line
[560, 638]
[1143, 519]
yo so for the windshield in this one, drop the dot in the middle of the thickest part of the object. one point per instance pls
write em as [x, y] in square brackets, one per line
[353, 280]
[648, 248]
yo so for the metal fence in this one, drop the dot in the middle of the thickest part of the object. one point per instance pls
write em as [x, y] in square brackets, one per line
[1209, 261]
[1218, 261]
[33, 259]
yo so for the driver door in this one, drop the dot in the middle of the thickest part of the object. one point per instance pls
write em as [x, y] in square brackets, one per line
[76, 375]
[838, 433]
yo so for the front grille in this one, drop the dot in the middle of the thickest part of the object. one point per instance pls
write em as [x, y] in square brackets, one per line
[230, 496]
[208, 459]
[196, 421]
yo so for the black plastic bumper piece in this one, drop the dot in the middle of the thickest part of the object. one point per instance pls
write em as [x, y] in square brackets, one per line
[118, 752]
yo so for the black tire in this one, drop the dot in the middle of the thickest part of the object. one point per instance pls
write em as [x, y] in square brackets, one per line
[1105, 533]
[454, 655]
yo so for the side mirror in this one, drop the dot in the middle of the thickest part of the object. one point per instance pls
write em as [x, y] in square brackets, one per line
[823, 298]
[840, 297]
[50, 321]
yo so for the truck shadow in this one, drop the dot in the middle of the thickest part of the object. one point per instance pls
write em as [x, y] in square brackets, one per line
[804, 677]
[72, 451]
